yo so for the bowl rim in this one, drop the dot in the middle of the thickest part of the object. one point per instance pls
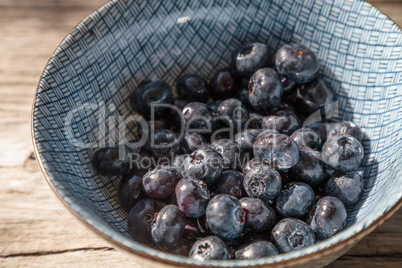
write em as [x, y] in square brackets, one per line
[181, 261]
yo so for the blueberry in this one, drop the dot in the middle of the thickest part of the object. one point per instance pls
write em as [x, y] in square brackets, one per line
[193, 141]
[309, 168]
[168, 226]
[276, 150]
[231, 182]
[214, 105]
[323, 128]
[204, 164]
[250, 165]
[262, 182]
[347, 187]
[224, 84]
[161, 182]
[112, 161]
[292, 234]
[256, 250]
[182, 248]
[198, 116]
[252, 57]
[265, 90]
[343, 152]
[156, 124]
[295, 200]
[149, 94]
[288, 85]
[347, 127]
[178, 162]
[307, 137]
[243, 95]
[209, 248]
[327, 217]
[230, 152]
[312, 96]
[233, 112]
[180, 103]
[259, 215]
[297, 62]
[164, 143]
[193, 88]
[284, 121]
[246, 139]
[130, 189]
[225, 216]
[140, 219]
[192, 197]
[254, 121]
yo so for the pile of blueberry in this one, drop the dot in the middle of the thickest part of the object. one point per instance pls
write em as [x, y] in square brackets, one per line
[249, 180]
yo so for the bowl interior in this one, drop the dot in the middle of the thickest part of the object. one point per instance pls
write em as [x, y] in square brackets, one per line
[98, 65]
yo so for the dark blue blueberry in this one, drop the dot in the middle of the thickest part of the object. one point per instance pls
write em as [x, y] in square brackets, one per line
[178, 162]
[161, 182]
[209, 248]
[182, 248]
[149, 94]
[252, 57]
[157, 124]
[346, 127]
[295, 200]
[112, 161]
[230, 152]
[193, 141]
[231, 182]
[327, 217]
[288, 85]
[309, 168]
[343, 152]
[276, 150]
[259, 215]
[312, 96]
[246, 139]
[164, 143]
[292, 234]
[307, 137]
[193, 88]
[198, 115]
[254, 121]
[262, 182]
[168, 226]
[224, 84]
[204, 164]
[265, 90]
[214, 105]
[256, 250]
[323, 128]
[140, 219]
[347, 187]
[296, 62]
[180, 103]
[233, 113]
[192, 197]
[130, 189]
[284, 121]
[250, 165]
[242, 95]
[225, 216]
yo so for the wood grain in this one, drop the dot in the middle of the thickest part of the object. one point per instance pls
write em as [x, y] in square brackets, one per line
[36, 230]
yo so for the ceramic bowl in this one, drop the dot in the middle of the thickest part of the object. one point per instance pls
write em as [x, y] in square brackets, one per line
[98, 65]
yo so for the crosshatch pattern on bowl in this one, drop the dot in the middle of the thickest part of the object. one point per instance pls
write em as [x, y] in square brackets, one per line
[124, 42]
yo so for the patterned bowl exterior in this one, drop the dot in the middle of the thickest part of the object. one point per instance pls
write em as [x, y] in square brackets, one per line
[111, 51]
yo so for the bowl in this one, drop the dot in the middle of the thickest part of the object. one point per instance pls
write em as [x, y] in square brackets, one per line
[96, 67]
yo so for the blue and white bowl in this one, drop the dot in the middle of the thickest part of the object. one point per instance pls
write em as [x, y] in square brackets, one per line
[93, 71]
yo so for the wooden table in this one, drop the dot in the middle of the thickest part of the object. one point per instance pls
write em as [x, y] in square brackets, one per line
[36, 230]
